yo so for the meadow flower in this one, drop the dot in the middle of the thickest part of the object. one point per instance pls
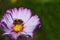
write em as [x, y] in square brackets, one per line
[16, 22]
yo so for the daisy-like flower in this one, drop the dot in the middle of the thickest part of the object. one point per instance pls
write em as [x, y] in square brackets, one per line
[18, 22]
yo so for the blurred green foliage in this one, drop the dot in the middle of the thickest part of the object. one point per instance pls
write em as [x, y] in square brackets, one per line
[48, 12]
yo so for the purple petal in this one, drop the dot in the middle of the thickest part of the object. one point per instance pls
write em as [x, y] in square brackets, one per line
[13, 39]
[31, 24]
[12, 35]
[7, 33]
[15, 35]
[24, 14]
[13, 13]
[8, 20]
[21, 13]
[4, 26]
[30, 34]
[20, 10]
[8, 11]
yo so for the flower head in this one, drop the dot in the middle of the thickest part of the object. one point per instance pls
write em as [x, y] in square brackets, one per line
[18, 22]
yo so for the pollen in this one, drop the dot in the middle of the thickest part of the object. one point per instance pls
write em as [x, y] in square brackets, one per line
[18, 28]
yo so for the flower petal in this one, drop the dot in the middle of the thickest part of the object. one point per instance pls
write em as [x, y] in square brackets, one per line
[12, 35]
[8, 20]
[31, 24]
[24, 14]
[15, 35]
[30, 35]
[21, 13]
[26, 34]
[13, 13]
[5, 34]
[4, 26]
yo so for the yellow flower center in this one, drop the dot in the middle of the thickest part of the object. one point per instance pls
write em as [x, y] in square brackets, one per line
[18, 28]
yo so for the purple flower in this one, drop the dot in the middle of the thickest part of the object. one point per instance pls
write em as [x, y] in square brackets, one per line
[18, 22]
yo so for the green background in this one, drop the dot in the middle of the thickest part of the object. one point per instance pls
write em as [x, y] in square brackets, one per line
[48, 12]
